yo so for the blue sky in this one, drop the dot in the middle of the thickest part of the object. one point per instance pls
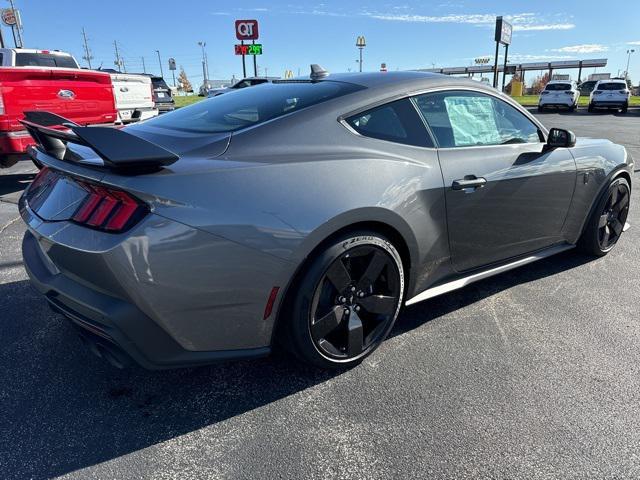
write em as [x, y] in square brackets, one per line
[405, 34]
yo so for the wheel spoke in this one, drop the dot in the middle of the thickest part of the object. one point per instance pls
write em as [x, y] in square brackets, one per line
[603, 220]
[355, 335]
[622, 203]
[328, 323]
[617, 227]
[373, 271]
[605, 238]
[338, 275]
[380, 304]
[614, 196]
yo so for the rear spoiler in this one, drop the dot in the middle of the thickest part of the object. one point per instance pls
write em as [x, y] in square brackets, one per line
[118, 149]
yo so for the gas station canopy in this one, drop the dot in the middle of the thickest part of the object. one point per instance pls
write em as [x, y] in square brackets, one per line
[520, 67]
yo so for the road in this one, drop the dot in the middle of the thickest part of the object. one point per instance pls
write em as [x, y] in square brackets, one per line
[532, 374]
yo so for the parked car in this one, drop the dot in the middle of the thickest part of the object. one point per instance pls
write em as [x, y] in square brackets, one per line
[134, 96]
[162, 96]
[244, 83]
[305, 213]
[559, 93]
[609, 94]
[586, 87]
[33, 79]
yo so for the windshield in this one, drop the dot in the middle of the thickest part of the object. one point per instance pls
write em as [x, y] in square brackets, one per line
[158, 82]
[612, 86]
[558, 87]
[44, 60]
[251, 106]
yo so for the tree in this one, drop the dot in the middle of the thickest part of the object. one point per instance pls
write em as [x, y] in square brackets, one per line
[183, 82]
[539, 83]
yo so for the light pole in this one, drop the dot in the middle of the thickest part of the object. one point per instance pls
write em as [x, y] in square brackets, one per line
[361, 43]
[626, 72]
[204, 63]
[160, 63]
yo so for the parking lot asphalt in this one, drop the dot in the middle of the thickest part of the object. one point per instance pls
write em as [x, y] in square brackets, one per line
[531, 374]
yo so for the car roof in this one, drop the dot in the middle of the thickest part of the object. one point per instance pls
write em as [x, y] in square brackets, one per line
[560, 81]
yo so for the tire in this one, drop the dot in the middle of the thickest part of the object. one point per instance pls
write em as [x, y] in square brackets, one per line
[338, 316]
[8, 161]
[625, 108]
[572, 108]
[608, 217]
[590, 108]
[540, 108]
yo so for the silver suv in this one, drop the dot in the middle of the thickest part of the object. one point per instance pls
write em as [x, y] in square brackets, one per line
[612, 93]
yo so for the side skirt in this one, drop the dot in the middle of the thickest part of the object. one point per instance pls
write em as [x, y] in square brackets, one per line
[476, 276]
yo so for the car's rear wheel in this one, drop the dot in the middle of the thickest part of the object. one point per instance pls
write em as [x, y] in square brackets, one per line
[607, 220]
[540, 108]
[347, 301]
[590, 108]
[625, 108]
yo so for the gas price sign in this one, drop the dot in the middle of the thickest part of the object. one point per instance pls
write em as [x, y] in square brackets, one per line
[249, 49]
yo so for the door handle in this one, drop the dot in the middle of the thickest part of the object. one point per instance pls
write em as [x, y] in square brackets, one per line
[469, 181]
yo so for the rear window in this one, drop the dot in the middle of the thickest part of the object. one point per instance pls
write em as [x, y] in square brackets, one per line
[251, 106]
[44, 60]
[561, 87]
[612, 86]
[158, 82]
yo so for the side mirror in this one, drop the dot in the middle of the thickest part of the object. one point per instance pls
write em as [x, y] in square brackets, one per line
[560, 138]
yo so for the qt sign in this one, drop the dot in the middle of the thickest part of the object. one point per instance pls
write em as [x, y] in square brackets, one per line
[247, 29]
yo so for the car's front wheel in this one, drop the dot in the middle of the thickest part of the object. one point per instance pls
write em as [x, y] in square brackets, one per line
[607, 221]
[347, 301]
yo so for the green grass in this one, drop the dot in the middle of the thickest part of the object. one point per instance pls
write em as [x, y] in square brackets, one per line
[184, 101]
[532, 100]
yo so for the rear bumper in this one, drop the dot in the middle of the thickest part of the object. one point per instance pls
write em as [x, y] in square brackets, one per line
[113, 327]
[610, 103]
[165, 106]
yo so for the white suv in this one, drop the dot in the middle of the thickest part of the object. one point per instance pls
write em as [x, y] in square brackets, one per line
[610, 94]
[559, 93]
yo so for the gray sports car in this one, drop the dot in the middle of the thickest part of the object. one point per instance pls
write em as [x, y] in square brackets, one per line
[303, 213]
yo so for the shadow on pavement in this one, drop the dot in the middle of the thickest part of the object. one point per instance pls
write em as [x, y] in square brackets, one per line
[13, 183]
[64, 409]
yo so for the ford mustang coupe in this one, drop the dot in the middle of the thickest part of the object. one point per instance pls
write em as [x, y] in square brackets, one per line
[303, 213]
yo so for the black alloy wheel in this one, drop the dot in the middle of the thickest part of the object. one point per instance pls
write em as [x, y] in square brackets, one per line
[608, 220]
[614, 216]
[348, 301]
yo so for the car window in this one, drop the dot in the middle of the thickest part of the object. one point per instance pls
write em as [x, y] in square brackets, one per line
[561, 87]
[249, 106]
[24, 59]
[395, 122]
[258, 82]
[464, 119]
[612, 86]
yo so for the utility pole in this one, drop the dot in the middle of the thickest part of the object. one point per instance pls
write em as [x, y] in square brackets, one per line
[87, 53]
[144, 67]
[204, 64]
[119, 61]
[160, 63]
[18, 23]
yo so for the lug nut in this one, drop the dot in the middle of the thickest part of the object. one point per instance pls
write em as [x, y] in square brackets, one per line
[353, 289]
[346, 311]
[360, 294]
[342, 299]
[357, 308]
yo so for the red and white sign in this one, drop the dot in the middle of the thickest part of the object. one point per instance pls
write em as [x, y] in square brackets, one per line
[383, 67]
[247, 29]
[9, 16]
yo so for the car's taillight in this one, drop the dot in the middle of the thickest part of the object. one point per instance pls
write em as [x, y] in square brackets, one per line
[624, 92]
[544, 92]
[568, 92]
[1, 105]
[108, 209]
[597, 92]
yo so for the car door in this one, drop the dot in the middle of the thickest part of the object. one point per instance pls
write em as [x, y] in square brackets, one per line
[506, 195]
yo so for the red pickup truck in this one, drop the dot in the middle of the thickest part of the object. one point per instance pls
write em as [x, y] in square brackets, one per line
[52, 81]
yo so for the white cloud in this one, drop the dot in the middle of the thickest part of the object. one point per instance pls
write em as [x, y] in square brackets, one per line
[637, 42]
[220, 13]
[584, 48]
[520, 21]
